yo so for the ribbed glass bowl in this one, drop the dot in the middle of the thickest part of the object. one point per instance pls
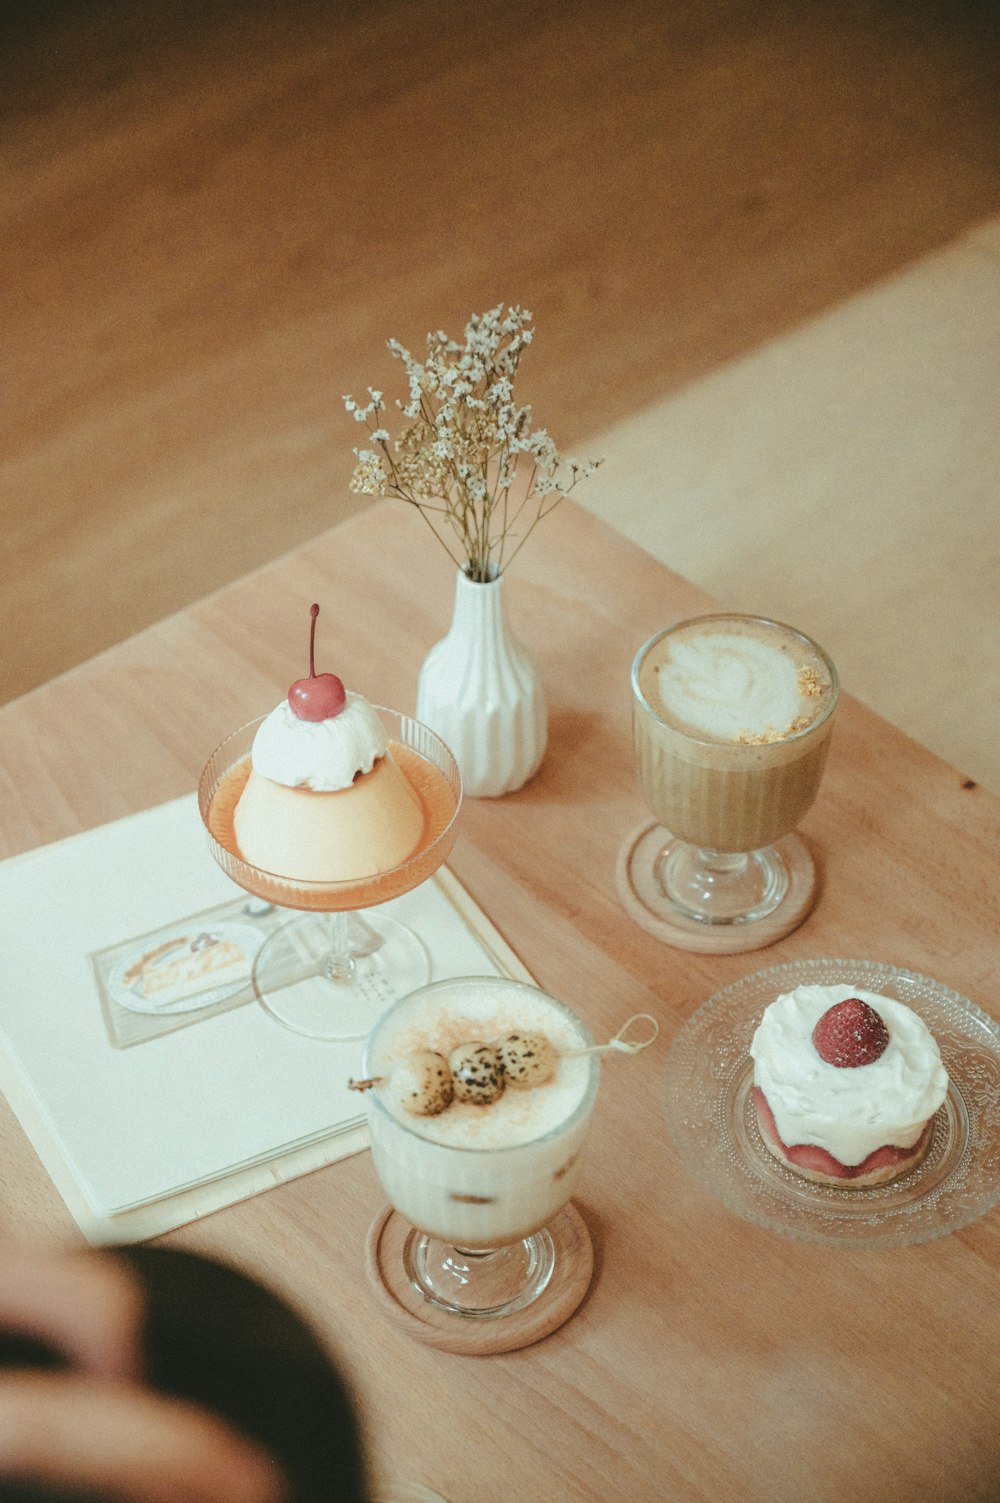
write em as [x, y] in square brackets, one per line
[329, 897]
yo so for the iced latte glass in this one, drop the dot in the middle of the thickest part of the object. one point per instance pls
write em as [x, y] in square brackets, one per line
[732, 717]
[480, 1188]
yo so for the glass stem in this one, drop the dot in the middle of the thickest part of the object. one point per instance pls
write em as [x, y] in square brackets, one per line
[721, 887]
[340, 955]
[720, 863]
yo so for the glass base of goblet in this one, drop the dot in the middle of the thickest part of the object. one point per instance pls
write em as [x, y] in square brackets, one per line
[716, 887]
[713, 902]
[331, 976]
[504, 1313]
[483, 1283]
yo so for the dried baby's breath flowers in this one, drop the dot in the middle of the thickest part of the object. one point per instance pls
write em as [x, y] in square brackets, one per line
[468, 459]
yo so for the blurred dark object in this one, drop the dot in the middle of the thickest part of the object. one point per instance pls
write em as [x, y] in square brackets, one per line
[216, 1338]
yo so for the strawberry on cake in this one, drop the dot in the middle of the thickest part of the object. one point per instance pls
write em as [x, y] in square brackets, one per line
[846, 1084]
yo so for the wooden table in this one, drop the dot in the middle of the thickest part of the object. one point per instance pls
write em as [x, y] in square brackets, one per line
[712, 1358]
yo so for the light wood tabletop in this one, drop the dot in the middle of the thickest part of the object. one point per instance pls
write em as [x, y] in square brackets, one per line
[196, 264]
[712, 1358]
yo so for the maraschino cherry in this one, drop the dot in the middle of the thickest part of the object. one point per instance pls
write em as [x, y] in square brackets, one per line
[321, 696]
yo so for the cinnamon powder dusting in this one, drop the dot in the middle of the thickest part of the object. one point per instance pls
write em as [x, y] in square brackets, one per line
[811, 686]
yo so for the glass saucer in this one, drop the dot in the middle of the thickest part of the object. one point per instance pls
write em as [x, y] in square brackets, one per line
[712, 1121]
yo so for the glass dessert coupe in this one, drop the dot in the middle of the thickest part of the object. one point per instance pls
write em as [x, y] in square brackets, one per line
[721, 868]
[480, 1225]
[331, 970]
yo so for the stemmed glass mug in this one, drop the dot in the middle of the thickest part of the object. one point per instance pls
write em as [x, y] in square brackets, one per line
[332, 969]
[479, 1194]
[732, 717]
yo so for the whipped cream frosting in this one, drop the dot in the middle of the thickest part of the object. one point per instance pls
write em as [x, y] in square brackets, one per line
[324, 755]
[849, 1112]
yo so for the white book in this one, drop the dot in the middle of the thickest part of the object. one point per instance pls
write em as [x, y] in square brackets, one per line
[150, 1082]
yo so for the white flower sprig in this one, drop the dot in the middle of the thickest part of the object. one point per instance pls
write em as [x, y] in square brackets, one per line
[468, 460]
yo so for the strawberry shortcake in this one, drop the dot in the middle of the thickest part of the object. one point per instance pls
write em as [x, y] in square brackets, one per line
[846, 1084]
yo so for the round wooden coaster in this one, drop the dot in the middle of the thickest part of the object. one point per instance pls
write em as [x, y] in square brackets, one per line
[642, 900]
[468, 1336]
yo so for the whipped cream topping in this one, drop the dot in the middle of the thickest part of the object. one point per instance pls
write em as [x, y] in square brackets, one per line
[849, 1112]
[324, 755]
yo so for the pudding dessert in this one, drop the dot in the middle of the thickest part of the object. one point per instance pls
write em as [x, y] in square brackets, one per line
[323, 797]
[732, 722]
[477, 1110]
[325, 800]
[846, 1084]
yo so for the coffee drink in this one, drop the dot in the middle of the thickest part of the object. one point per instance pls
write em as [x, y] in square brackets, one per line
[732, 718]
[474, 1175]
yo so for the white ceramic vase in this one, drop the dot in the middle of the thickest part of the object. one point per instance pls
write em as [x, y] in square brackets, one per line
[480, 690]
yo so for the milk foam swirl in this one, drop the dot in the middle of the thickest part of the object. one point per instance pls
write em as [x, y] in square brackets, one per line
[729, 685]
[323, 755]
[849, 1112]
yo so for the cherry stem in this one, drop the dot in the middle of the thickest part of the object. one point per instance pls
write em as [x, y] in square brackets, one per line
[313, 612]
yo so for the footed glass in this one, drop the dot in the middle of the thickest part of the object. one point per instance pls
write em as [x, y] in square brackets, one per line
[721, 868]
[333, 968]
[479, 1231]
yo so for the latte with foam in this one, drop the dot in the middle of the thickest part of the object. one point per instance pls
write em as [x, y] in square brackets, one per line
[481, 1176]
[732, 720]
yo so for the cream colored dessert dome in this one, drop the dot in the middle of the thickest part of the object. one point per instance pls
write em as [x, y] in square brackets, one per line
[325, 801]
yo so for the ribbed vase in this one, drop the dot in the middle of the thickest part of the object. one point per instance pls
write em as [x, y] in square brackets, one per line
[480, 691]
